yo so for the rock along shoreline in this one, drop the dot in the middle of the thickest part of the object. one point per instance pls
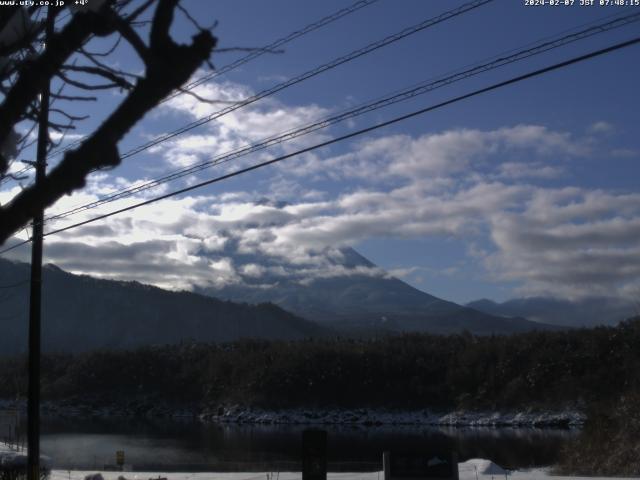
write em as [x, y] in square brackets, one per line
[375, 417]
[238, 414]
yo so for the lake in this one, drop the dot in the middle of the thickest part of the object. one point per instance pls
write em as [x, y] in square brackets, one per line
[186, 445]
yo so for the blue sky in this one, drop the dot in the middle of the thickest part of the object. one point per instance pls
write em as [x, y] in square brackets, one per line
[528, 190]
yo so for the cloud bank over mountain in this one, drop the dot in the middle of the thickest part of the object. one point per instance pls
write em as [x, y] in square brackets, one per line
[506, 194]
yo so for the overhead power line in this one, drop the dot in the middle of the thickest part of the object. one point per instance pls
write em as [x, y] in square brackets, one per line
[419, 89]
[449, 14]
[495, 86]
[252, 56]
[312, 73]
[274, 45]
[15, 175]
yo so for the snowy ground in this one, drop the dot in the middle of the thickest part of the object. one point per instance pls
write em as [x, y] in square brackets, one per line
[470, 470]
[12, 456]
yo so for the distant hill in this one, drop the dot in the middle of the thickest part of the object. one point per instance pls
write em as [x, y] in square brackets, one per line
[83, 313]
[365, 303]
[587, 312]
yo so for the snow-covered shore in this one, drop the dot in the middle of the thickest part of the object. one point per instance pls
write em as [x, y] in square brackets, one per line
[370, 417]
[474, 469]
[238, 414]
[13, 457]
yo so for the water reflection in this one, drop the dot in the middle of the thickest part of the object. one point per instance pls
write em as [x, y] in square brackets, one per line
[175, 445]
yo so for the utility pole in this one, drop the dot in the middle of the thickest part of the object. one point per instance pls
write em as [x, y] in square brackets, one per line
[35, 303]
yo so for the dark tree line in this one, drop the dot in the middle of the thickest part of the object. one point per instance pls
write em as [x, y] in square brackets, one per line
[575, 368]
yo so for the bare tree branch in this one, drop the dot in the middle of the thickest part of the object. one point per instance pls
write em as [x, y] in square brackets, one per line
[73, 98]
[73, 118]
[169, 66]
[27, 144]
[59, 127]
[139, 11]
[24, 41]
[34, 74]
[200, 98]
[131, 36]
[107, 52]
[104, 66]
[87, 86]
[194, 22]
[116, 80]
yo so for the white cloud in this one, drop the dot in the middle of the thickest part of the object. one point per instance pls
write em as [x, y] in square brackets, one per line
[625, 153]
[600, 127]
[253, 270]
[516, 170]
[585, 247]
[458, 151]
[469, 184]
[555, 253]
[236, 129]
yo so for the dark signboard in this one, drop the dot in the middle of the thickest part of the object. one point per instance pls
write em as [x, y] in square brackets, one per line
[314, 455]
[420, 466]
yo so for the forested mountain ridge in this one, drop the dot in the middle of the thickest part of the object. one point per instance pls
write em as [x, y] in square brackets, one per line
[84, 313]
[586, 312]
